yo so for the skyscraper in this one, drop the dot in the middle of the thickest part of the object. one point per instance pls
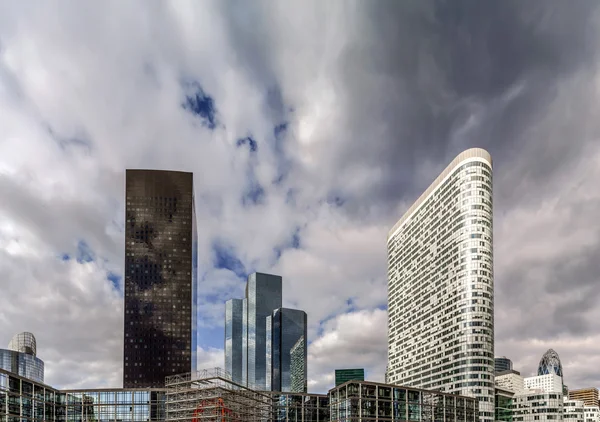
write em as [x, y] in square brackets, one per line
[263, 295]
[441, 286]
[298, 366]
[160, 277]
[234, 324]
[284, 329]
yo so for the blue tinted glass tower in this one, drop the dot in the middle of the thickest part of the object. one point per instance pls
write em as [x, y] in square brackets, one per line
[263, 295]
[234, 325]
[286, 331]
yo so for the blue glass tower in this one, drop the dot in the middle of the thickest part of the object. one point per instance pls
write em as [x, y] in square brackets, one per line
[286, 331]
[550, 364]
[263, 295]
[234, 325]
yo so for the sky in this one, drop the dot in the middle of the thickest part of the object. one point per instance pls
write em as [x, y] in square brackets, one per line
[310, 126]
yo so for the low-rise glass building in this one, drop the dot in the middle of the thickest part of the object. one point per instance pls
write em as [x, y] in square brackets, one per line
[368, 401]
[20, 357]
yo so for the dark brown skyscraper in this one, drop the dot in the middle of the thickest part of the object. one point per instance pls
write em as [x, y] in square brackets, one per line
[160, 277]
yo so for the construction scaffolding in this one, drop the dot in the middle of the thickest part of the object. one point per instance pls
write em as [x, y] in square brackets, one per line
[211, 396]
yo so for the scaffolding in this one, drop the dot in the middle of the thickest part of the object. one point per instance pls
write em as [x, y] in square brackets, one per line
[211, 396]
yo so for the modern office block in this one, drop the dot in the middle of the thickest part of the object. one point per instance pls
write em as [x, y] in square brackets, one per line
[160, 277]
[550, 364]
[573, 410]
[298, 367]
[357, 401]
[589, 396]
[263, 295]
[234, 325]
[441, 286]
[345, 375]
[502, 364]
[20, 358]
[284, 329]
[510, 380]
[503, 401]
[550, 383]
[530, 406]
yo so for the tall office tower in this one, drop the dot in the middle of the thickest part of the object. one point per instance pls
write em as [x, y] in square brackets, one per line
[441, 286]
[234, 325]
[160, 277]
[263, 295]
[502, 364]
[284, 329]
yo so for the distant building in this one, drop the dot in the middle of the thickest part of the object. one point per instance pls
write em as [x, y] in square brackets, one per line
[234, 327]
[510, 380]
[502, 364]
[550, 383]
[589, 396]
[591, 413]
[503, 400]
[20, 358]
[345, 375]
[284, 329]
[544, 406]
[573, 411]
[550, 364]
[160, 283]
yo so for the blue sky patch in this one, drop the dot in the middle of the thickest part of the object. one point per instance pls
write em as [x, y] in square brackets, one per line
[115, 279]
[254, 195]
[224, 257]
[84, 252]
[199, 103]
[252, 145]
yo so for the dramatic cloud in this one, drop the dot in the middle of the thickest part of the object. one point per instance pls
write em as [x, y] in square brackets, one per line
[310, 127]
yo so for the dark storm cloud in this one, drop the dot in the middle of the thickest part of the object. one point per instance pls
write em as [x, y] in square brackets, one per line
[421, 70]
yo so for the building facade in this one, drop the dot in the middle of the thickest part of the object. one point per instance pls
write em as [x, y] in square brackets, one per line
[367, 401]
[591, 413]
[20, 357]
[22, 399]
[160, 277]
[345, 375]
[234, 325]
[537, 406]
[550, 364]
[573, 410]
[510, 380]
[441, 285]
[503, 402]
[299, 369]
[588, 395]
[550, 383]
[502, 364]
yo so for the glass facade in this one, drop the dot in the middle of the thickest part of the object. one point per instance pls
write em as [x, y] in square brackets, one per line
[440, 286]
[21, 359]
[357, 401]
[160, 277]
[298, 367]
[550, 364]
[263, 295]
[502, 364]
[287, 327]
[530, 407]
[345, 375]
[234, 324]
[22, 400]
[300, 408]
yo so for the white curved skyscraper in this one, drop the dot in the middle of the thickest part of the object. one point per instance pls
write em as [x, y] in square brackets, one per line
[441, 285]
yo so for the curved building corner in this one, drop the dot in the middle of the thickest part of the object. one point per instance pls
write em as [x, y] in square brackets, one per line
[20, 357]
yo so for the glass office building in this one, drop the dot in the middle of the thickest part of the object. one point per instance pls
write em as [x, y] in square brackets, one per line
[283, 331]
[20, 357]
[234, 324]
[160, 277]
[550, 364]
[22, 399]
[502, 364]
[441, 286]
[345, 375]
[263, 295]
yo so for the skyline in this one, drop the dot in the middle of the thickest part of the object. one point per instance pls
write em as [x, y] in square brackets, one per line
[308, 141]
